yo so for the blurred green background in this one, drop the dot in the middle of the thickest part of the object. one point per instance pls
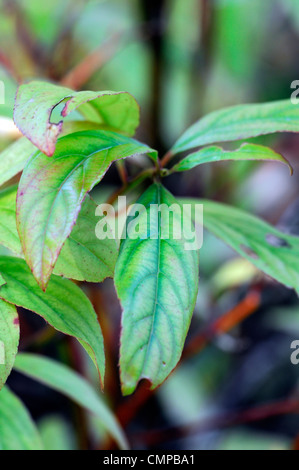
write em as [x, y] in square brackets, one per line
[180, 59]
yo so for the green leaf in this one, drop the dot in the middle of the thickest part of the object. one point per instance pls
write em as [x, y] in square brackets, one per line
[14, 158]
[52, 191]
[240, 122]
[2, 281]
[57, 433]
[8, 231]
[216, 154]
[9, 339]
[64, 306]
[157, 282]
[272, 251]
[64, 380]
[36, 101]
[83, 257]
[17, 430]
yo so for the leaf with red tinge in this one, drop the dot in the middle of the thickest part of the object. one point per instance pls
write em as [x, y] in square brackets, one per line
[83, 257]
[36, 101]
[13, 159]
[51, 192]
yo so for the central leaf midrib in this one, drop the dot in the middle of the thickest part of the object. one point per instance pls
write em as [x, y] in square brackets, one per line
[157, 284]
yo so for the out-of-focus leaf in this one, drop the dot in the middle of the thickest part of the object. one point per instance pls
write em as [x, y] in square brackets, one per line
[240, 122]
[242, 439]
[47, 19]
[233, 47]
[64, 306]
[83, 257]
[234, 272]
[175, 110]
[283, 319]
[56, 434]
[291, 9]
[36, 101]
[9, 339]
[64, 380]
[52, 191]
[216, 154]
[17, 430]
[156, 279]
[272, 251]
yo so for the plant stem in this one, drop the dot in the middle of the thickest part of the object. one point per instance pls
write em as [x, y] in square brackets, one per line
[224, 324]
[122, 171]
[166, 159]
